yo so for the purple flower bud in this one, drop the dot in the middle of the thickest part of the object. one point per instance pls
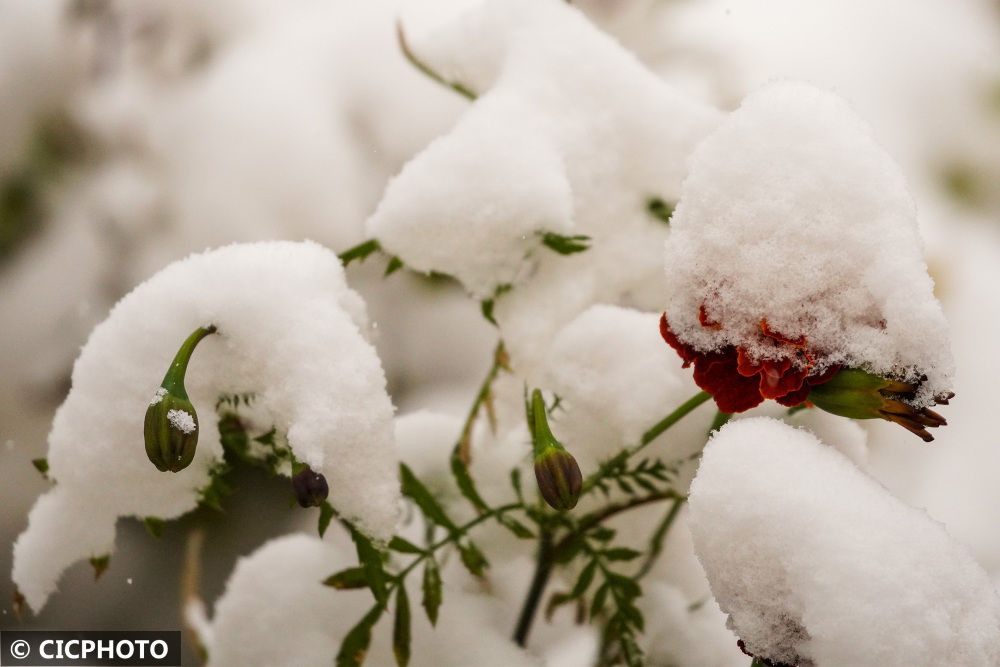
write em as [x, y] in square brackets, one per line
[310, 487]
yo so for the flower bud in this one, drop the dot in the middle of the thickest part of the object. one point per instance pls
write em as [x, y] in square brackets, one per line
[170, 429]
[556, 471]
[310, 488]
[857, 394]
[559, 478]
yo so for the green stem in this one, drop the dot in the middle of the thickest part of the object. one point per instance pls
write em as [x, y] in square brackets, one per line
[657, 429]
[656, 541]
[173, 381]
[462, 90]
[482, 399]
[461, 454]
[452, 537]
[543, 568]
[599, 516]
[671, 419]
[757, 662]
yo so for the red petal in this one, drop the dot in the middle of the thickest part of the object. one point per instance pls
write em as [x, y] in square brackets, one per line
[793, 398]
[716, 373]
[798, 342]
[704, 321]
[686, 352]
[744, 365]
[825, 376]
[777, 378]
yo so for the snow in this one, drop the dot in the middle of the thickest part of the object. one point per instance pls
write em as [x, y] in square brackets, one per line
[289, 330]
[793, 214]
[816, 563]
[158, 396]
[277, 592]
[616, 379]
[548, 146]
[182, 420]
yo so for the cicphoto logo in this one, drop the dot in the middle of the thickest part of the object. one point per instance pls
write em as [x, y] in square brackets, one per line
[90, 648]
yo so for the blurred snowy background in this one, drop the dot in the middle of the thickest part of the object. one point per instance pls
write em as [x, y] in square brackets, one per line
[134, 133]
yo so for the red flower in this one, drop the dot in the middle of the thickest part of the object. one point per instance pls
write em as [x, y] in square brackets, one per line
[737, 382]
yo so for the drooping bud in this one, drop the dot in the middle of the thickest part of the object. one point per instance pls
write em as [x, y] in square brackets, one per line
[310, 487]
[171, 425]
[857, 394]
[556, 471]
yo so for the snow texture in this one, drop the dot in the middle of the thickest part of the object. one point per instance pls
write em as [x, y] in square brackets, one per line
[289, 331]
[817, 564]
[548, 146]
[277, 592]
[158, 396]
[792, 213]
[182, 420]
[616, 379]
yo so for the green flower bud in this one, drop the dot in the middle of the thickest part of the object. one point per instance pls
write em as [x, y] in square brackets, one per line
[170, 429]
[556, 471]
[310, 488]
[857, 394]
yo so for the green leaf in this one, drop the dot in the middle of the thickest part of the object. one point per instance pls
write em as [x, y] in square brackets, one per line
[556, 600]
[404, 546]
[634, 616]
[513, 525]
[432, 590]
[217, 489]
[585, 579]
[395, 264]
[515, 481]
[602, 534]
[416, 491]
[659, 209]
[486, 307]
[100, 564]
[472, 558]
[352, 577]
[566, 245]
[621, 554]
[371, 562]
[232, 435]
[267, 438]
[625, 585]
[154, 525]
[401, 627]
[355, 645]
[42, 466]
[326, 513]
[464, 481]
[600, 597]
[359, 252]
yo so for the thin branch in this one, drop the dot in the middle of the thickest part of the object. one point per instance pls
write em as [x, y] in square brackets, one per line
[656, 541]
[655, 431]
[483, 398]
[601, 515]
[196, 624]
[543, 568]
[459, 88]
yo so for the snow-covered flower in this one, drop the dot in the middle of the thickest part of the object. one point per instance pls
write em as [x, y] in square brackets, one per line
[794, 253]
